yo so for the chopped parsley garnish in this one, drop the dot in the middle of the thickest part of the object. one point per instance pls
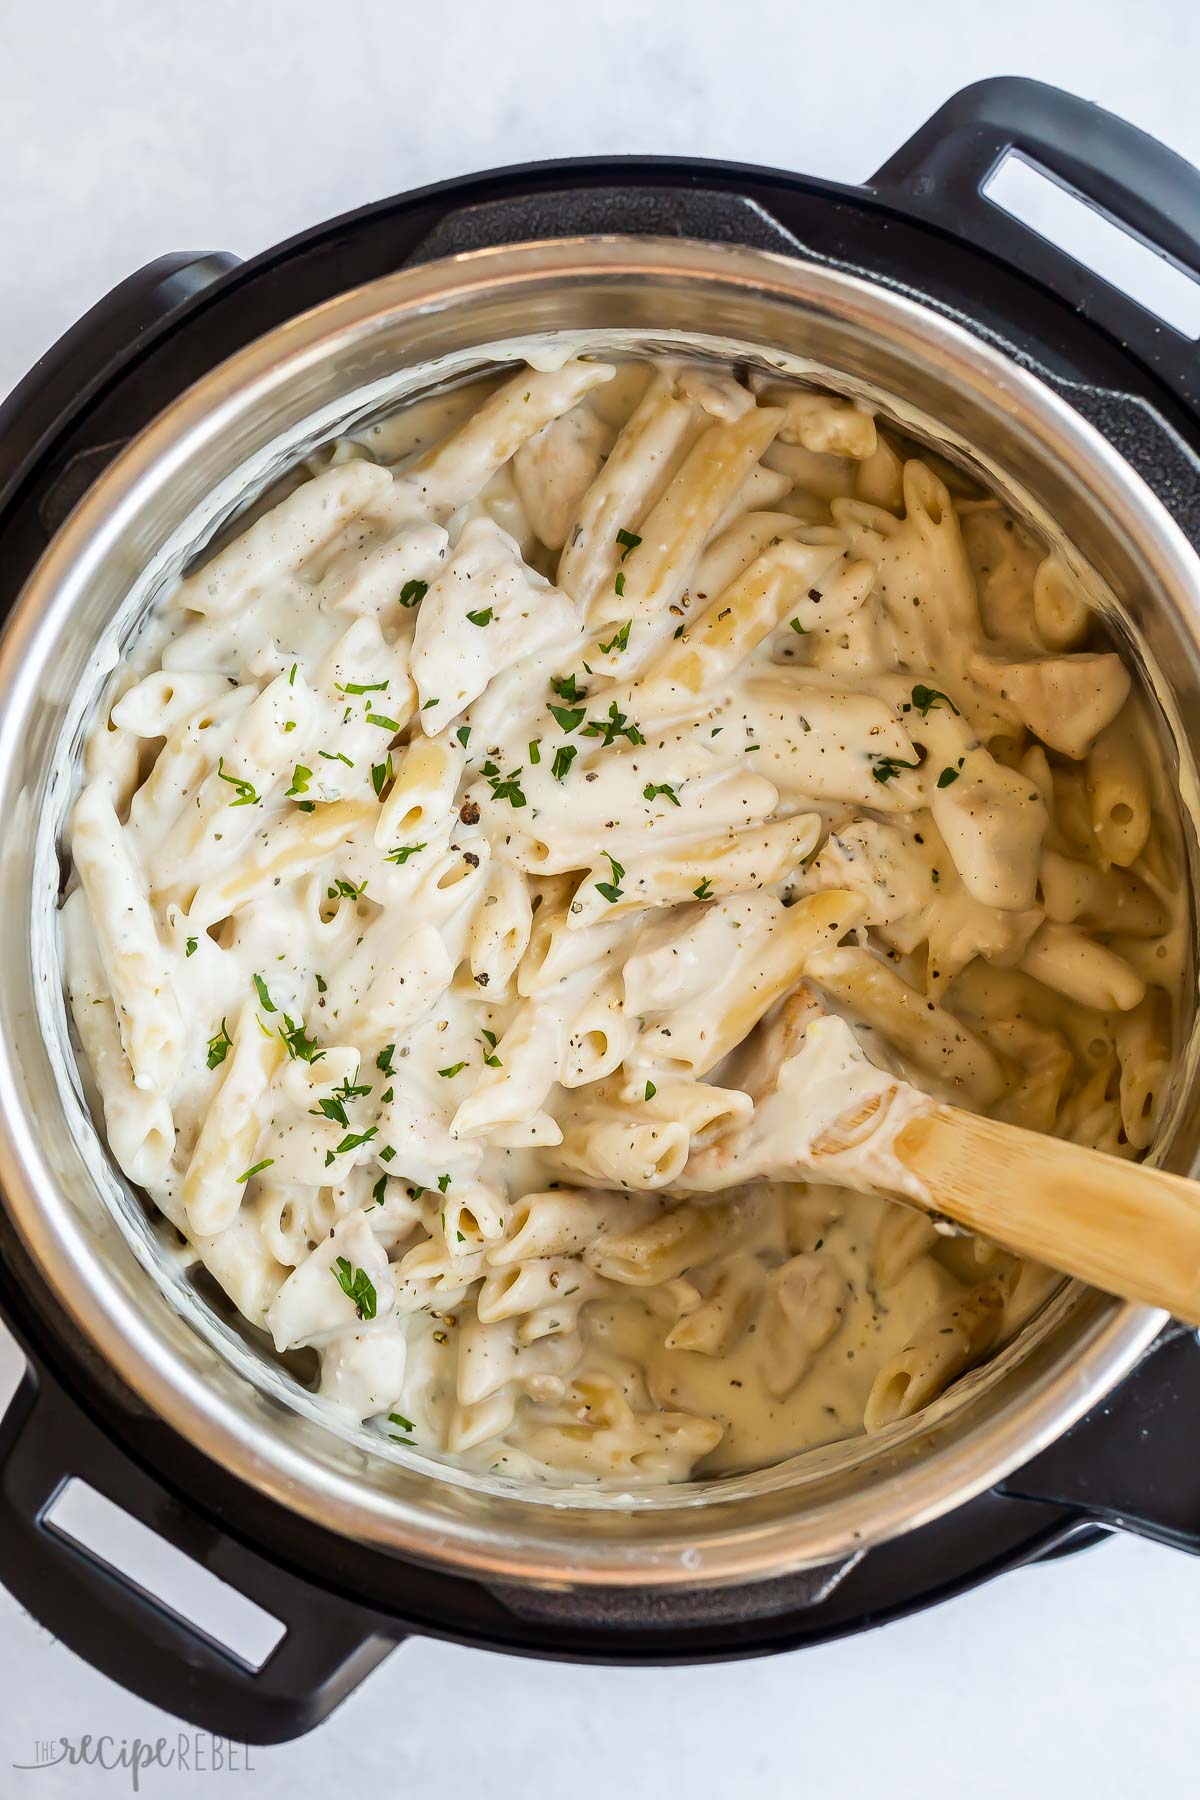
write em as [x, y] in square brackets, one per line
[383, 1061]
[621, 641]
[351, 1141]
[362, 687]
[651, 1090]
[704, 889]
[482, 617]
[886, 768]
[454, 1069]
[616, 725]
[384, 723]
[926, 698]
[300, 780]
[219, 1046]
[292, 674]
[653, 789]
[346, 889]
[401, 1421]
[337, 755]
[443, 1182]
[289, 725]
[568, 718]
[413, 592]
[190, 949]
[322, 985]
[797, 627]
[612, 890]
[381, 774]
[948, 777]
[401, 856]
[463, 734]
[564, 756]
[300, 1047]
[678, 632]
[535, 753]
[245, 792]
[505, 787]
[268, 1005]
[256, 1170]
[566, 687]
[388, 1153]
[619, 584]
[628, 540]
[379, 1191]
[433, 700]
[489, 1055]
[357, 1285]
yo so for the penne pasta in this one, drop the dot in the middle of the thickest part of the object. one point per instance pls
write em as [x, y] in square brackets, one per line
[481, 833]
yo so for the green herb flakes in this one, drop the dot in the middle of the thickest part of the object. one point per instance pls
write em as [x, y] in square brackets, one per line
[245, 793]
[612, 890]
[886, 768]
[357, 1285]
[609, 730]
[621, 640]
[924, 699]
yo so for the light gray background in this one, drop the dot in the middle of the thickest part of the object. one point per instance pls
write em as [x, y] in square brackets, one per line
[131, 127]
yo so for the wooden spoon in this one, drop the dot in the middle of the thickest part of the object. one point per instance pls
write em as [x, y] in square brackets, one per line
[828, 1114]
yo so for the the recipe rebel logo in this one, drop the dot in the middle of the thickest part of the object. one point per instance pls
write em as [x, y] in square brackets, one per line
[191, 1752]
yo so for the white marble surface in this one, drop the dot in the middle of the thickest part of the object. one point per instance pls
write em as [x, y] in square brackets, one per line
[131, 127]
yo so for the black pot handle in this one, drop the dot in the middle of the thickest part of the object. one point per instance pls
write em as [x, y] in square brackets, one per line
[1118, 170]
[89, 354]
[329, 1645]
[1131, 1463]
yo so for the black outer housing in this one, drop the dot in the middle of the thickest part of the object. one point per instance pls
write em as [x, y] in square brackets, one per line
[922, 225]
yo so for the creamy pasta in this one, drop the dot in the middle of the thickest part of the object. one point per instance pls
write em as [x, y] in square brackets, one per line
[467, 839]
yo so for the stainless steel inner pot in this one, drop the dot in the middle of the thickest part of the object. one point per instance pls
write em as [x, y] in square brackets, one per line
[107, 1268]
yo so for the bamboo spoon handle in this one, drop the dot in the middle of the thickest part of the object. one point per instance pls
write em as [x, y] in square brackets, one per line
[1132, 1230]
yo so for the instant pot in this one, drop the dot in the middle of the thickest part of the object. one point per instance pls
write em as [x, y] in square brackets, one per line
[181, 394]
